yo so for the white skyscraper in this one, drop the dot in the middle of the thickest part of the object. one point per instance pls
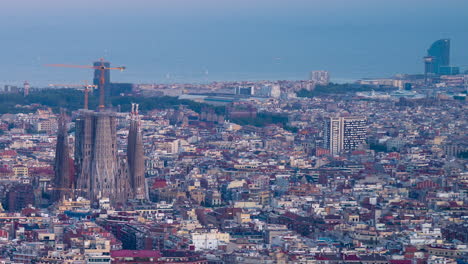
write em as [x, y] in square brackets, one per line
[275, 91]
[320, 77]
[270, 90]
[344, 133]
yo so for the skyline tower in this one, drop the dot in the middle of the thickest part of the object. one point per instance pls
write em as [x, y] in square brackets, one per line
[320, 77]
[440, 50]
[344, 133]
[96, 149]
[438, 56]
[135, 155]
[26, 88]
[437, 61]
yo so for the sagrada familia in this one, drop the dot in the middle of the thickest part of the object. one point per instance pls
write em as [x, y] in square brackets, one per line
[97, 171]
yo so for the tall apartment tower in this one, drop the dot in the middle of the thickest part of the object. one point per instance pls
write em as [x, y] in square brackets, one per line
[63, 166]
[344, 133]
[26, 87]
[135, 155]
[320, 77]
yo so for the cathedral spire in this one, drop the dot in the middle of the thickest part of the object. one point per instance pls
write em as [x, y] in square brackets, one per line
[63, 180]
[135, 155]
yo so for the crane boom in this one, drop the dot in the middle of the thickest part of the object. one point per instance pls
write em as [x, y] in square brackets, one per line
[70, 66]
[71, 85]
[86, 90]
[102, 68]
[121, 68]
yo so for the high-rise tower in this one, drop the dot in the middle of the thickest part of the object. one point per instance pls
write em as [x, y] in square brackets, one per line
[26, 88]
[344, 133]
[437, 61]
[438, 55]
[63, 180]
[135, 155]
[320, 77]
[440, 50]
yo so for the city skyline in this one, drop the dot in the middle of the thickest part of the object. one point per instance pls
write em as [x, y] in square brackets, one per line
[182, 41]
[214, 132]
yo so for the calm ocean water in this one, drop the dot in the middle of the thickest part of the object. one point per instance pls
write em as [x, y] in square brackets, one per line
[201, 41]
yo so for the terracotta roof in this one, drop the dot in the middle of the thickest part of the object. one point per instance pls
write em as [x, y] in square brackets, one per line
[159, 184]
[351, 257]
[400, 261]
[135, 254]
[8, 153]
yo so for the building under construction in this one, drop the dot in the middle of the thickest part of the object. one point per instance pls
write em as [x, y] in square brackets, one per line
[96, 154]
[100, 172]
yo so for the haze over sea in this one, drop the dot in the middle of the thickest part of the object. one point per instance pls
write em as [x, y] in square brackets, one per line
[165, 41]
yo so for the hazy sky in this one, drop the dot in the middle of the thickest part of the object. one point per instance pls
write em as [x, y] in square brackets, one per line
[206, 40]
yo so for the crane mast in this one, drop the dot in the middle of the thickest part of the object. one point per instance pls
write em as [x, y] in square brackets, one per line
[86, 90]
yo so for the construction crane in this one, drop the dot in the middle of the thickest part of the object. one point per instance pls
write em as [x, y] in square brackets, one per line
[63, 85]
[66, 191]
[86, 90]
[102, 80]
[62, 189]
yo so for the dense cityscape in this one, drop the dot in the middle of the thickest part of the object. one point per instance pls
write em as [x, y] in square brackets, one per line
[306, 171]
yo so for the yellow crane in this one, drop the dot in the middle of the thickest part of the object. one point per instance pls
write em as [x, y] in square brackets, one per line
[86, 89]
[102, 80]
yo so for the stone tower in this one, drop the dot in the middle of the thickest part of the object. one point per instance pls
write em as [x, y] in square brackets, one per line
[63, 166]
[84, 142]
[104, 159]
[135, 155]
[96, 154]
[100, 172]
